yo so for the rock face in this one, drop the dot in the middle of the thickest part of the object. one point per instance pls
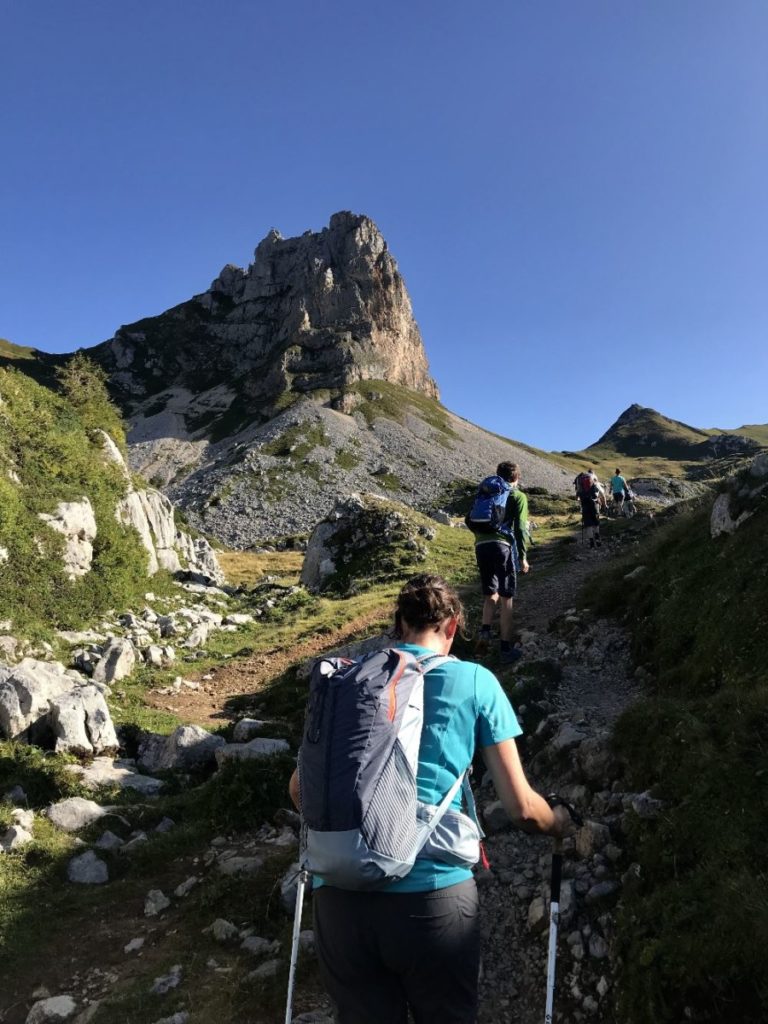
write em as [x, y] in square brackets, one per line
[319, 311]
[76, 521]
[738, 503]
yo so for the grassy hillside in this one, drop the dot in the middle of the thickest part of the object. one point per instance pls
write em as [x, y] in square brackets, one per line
[48, 453]
[695, 924]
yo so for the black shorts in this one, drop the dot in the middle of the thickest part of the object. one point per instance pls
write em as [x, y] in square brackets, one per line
[619, 498]
[382, 954]
[497, 568]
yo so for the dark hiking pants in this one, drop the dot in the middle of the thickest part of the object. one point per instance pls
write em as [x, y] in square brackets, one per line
[382, 954]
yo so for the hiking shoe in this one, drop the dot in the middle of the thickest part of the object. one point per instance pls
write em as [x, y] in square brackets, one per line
[482, 643]
[509, 657]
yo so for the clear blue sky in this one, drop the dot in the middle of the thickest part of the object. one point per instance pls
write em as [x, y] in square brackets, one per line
[576, 193]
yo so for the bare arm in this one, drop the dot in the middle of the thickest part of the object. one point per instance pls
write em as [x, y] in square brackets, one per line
[526, 808]
[293, 790]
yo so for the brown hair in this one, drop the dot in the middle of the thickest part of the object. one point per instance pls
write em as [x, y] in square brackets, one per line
[426, 600]
[508, 471]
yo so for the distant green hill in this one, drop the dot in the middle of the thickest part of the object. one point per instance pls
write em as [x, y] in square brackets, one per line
[645, 443]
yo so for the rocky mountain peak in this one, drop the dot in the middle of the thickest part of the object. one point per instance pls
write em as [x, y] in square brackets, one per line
[317, 312]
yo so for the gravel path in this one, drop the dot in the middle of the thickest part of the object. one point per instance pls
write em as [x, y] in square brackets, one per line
[596, 685]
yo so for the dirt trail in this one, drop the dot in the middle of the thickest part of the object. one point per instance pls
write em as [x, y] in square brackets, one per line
[596, 684]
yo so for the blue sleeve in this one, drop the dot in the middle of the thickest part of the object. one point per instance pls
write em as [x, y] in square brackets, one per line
[496, 719]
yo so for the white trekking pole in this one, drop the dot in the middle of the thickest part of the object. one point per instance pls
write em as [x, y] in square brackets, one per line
[300, 890]
[554, 919]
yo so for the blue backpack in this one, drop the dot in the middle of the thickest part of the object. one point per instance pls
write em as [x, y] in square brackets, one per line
[489, 507]
[362, 822]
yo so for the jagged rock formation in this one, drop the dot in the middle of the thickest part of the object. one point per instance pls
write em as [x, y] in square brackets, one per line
[324, 310]
[739, 502]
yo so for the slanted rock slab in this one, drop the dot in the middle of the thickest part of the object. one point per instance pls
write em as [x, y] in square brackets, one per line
[74, 813]
[258, 748]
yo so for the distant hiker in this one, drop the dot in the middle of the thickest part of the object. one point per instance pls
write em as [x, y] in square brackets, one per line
[618, 490]
[413, 943]
[629, 502]
[591, 499]
[499, 520]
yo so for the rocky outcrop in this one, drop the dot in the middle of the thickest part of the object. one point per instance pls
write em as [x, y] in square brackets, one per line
[364, 539]
[40, 700]
[76, 521]
[319, 311]
[739, 501]
[151, 514]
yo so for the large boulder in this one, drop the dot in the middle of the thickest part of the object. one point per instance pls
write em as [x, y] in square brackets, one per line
[76, 521]
[365, 539]
[39, 698]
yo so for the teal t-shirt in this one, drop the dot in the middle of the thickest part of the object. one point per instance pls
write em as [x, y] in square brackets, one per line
[618, 485]
[464, 708]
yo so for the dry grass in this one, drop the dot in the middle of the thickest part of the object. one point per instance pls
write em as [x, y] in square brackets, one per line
[246, 568]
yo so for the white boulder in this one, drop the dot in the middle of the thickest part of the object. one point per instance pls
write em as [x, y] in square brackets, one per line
[117, 661]
[47, 1011]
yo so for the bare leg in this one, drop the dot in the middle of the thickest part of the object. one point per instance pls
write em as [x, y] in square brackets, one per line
[489, 608]
[507, 604]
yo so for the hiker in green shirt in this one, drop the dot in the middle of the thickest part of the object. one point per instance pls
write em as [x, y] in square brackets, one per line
[500, 555]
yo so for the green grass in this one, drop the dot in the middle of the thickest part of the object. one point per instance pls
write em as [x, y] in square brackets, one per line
[297, 442]
[346, 458]
[52, 448]
[693, 930]
[393, 401]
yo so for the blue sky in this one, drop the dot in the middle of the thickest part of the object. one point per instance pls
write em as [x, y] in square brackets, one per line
[576, 193]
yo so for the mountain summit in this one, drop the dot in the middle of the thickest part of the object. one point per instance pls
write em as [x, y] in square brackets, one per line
[321, 311]
[640, 431]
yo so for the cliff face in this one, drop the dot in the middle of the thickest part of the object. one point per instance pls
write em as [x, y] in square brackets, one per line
[321, 311]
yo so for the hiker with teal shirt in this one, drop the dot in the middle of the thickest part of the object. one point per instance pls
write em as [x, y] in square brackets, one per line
[414, 944]
[618, 490]
[499, 521]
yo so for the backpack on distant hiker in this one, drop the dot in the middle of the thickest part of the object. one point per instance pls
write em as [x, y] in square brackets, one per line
[584, 483]
[362, 823]
[489, 507]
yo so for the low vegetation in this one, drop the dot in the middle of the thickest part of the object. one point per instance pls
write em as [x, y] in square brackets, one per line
[695, 922]
[49, 452]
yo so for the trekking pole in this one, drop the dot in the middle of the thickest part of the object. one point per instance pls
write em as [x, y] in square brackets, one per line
[554, 907]
[303, 880]
[554, 918]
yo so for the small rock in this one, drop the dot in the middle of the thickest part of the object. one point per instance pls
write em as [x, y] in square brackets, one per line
[602, 891]
[24, 819]
[246, 729]
[15, 838]
[167, 981]
[182, 1017]
[239, 865]
[155, 903]
[74, 813]
[224, 931]
[134, 945]
[165, 825]
[645, 806]
[54, 1009]
[598, 947]
[538, 915]
[108, 841]
[266, 970]
[186, 887]
[58, 1008]
[15, 795]
[590, 838]
[87, 869]
[257, 946]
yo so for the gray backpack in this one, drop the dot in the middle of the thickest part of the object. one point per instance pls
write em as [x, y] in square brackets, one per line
[363, 825]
